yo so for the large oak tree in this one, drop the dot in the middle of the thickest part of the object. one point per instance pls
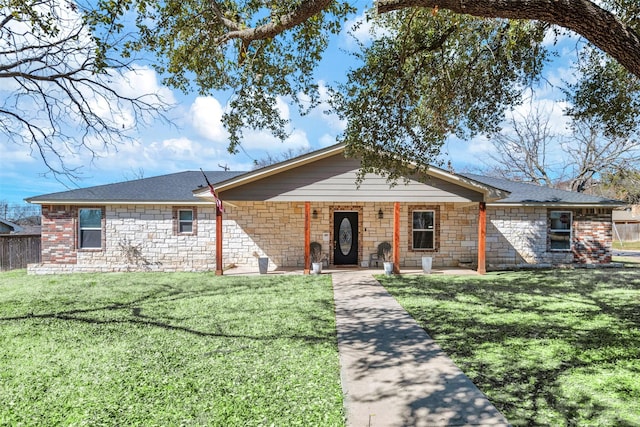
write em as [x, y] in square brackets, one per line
[435, 69]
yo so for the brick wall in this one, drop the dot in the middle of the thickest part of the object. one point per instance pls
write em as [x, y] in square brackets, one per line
[59, 228]
[593, 236]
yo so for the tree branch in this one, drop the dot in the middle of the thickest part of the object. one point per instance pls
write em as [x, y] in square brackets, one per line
[584, 17]
[277, 25]
[231, 25]
[62, 100]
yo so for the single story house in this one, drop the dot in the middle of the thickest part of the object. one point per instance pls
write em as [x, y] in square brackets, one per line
[172, 223]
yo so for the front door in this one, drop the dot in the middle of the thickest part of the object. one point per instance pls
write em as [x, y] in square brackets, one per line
[345, 238]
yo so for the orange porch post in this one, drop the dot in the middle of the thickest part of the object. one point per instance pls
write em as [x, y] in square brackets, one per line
[482, 238]
[218, 242]
[396, 237]
[307, 237]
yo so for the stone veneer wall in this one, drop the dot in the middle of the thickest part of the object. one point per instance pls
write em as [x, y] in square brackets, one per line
[458, 232]
[519, 236]
[264, 229]
[144, 237]
[135, 238]
[456, 227]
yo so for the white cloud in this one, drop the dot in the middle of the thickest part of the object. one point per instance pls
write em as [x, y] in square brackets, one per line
[180, 149]
[206, 118]
[558, 77]
[549, 109]
[141, 81]
[264, 141]
[357, 30]
[28, 40]
[14, 155]
[327, 140]
[107, 108]
[70, 51]
[160, 156]
[475, 153]
[466, 154]
[283, 108]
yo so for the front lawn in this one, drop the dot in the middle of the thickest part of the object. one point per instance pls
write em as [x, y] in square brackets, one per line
[558, 348]
[168, 349]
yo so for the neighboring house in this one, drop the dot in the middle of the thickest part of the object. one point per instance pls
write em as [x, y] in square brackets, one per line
[170, 222]
[7, 227]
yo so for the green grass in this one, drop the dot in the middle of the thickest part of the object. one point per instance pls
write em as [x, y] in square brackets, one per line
[626, 245]
[557, 348]
[168, 349]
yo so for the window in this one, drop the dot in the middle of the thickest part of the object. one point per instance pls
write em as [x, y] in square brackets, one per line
[423, 230]
[560, 230]
[90, 228]
[185, 221]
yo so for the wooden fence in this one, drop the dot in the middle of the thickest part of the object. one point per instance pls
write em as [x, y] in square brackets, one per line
[18, 250]
[627, 232]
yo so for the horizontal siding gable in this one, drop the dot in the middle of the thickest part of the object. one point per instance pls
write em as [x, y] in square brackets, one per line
[334, 179]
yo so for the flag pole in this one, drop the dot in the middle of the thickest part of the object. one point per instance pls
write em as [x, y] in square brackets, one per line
[219, 210]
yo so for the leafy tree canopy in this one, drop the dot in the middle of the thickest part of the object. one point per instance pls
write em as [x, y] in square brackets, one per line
[437, 68]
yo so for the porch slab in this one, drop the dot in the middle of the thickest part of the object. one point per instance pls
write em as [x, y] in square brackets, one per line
[247, 270]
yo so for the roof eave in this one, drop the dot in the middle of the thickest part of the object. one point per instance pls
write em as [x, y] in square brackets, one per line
[195, 201]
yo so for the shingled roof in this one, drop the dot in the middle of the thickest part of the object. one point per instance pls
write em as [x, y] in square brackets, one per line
[179, 187]
[525, 193]
[175, 187]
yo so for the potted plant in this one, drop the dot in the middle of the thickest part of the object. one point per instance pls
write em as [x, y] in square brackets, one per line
[426, 264]
[315, 250]
[263, 263]
[385, 254]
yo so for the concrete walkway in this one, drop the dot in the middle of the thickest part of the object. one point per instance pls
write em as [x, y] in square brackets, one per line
[393, 374]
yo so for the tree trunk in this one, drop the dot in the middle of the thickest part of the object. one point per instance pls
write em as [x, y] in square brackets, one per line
[597, 25]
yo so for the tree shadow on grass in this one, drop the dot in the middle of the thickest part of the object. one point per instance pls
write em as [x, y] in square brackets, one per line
[142, 310]
[522, 337]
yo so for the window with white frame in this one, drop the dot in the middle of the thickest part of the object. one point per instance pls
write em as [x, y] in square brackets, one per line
[90, 228]
[423, 231]
[560, 230]
[185, 221]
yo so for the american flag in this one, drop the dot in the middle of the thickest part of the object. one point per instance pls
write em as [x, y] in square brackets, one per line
[213, 193]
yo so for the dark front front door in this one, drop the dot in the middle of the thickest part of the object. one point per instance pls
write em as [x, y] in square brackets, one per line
[345, 238]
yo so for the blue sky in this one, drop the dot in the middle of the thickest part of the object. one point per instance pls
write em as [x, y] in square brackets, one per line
[197, 139]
